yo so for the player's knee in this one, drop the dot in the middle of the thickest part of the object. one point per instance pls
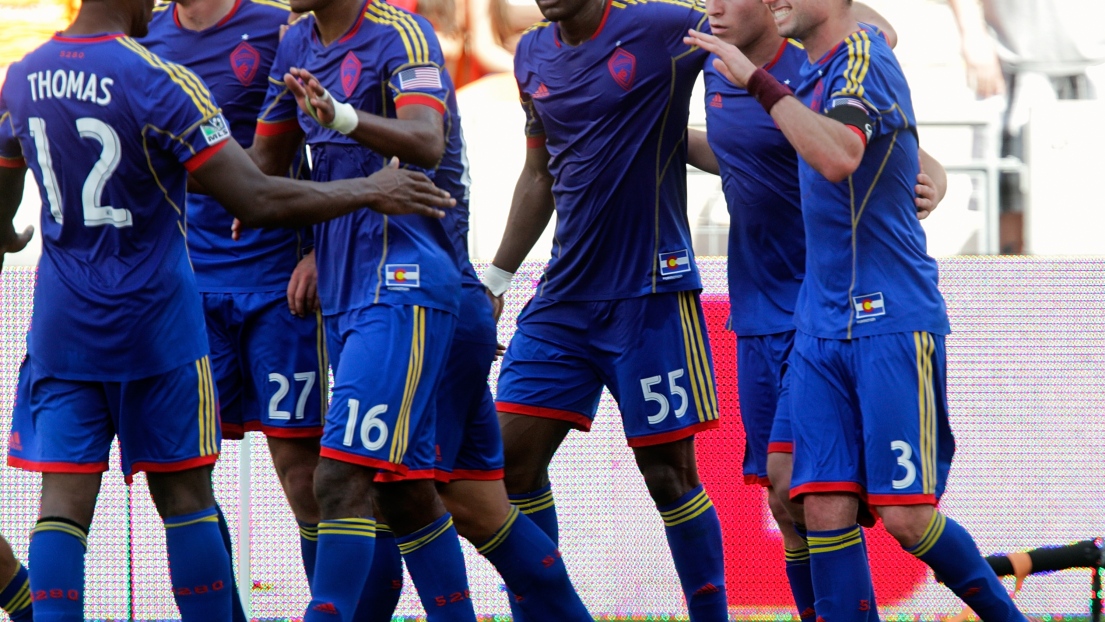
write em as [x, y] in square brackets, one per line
[670, 470]
[778, 509]
[409, 505]
[299, 486]
[342, 490]
[779, 467]
[907, 524]
[182, 492]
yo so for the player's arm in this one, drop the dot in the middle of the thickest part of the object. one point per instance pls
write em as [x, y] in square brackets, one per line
[11, 195]
[416, 136]
[274, 151]
[699, 153]
[834, 148]
[260, 200]
[863, 13]
[984, 73]
[932, 185]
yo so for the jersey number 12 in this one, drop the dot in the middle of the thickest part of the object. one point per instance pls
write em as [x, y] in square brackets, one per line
[95, 215]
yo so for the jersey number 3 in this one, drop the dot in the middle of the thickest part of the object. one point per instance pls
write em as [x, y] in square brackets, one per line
[95, 215]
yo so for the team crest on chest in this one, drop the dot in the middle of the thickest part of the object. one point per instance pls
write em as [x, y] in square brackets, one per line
[245, 60]
[350, 73]
[623, 67]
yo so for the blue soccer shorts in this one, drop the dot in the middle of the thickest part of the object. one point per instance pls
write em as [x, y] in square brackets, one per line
[764, 394]
[165, 423]
[388, 360]
[870, 417]
[652, 352]
[270, 366]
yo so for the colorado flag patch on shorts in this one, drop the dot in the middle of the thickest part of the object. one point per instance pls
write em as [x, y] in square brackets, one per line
[401, 275]
[869, 306]
[672, 264]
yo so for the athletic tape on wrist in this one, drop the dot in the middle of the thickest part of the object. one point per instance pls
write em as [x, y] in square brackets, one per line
[496, 280]
[345, 115]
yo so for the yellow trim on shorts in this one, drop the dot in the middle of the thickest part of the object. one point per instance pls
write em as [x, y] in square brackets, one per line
[401, 437]
[701, 375]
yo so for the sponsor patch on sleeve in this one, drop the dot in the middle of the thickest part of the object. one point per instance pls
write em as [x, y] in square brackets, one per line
[215, 129]
[675, 263]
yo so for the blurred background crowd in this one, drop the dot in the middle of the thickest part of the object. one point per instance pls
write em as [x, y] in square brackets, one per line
[1006, 94]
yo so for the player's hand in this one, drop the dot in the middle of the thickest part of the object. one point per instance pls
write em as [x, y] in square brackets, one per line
[12, 242]
[984, 73]
[730, 61]
[303, 287]
[496, 305]
[926, 196]
[309, 94]
[236, 229]
[399, 191]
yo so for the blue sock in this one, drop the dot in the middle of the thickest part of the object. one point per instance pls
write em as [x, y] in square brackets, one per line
[381, 591]
[531, 566]
[308, 548]
[436, 564]
[199, 566]
[15, 598]
[694, 537]
[798, 574]
[540, 508]
[57, 570]
[950, 551]
[238, 614]
[345, 550]
[841, 575]
[873, 613]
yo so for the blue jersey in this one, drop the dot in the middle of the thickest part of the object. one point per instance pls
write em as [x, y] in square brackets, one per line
[867, 270]
[233, 58]
[612, 112]
[388, 59]
[110, 131]
[759, 173]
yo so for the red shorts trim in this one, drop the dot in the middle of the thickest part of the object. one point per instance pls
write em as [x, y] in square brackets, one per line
[533, 142]
[780, 448]
[471, 475]
[579, 421]
[816, 487]
[878, 500]
[276, 128]
[372, 463]
[12, 162]
[386, 476]
[277, 432]
[756, 480]
[169, 467]
[56, 467]
[416, 99]
[674, 435]
[203, 156]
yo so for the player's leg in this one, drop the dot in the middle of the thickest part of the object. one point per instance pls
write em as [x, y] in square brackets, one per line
[384, 585]
[658, 365]
[15, 585]
[908, 454]
[827, 477]
[168, 427]
[62, 429]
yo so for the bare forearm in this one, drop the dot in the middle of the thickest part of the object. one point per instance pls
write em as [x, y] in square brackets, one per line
[829, 146]
[11, 194]
[969, 18]
[530, 211]
[699, 153]
[282, 202]
[412, 141]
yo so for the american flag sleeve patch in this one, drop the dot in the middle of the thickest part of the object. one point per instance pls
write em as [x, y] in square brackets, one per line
[420, 78]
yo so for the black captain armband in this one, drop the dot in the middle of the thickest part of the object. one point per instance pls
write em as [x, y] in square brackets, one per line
[853, 113]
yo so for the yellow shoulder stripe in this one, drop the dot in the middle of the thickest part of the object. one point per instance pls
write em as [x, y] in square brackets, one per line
[276, 4]
[418, 50]
[859, 61]
[185, 79]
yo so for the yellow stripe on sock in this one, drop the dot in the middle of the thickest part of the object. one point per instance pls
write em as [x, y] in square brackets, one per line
[797, 555]
[365, 527]
[829, 548]
[62, 527]
[688, 511]
[543, 501]
[22, 597]
[407, 548]
[383, 527]
[500, 535]
[309, 533]
[194, 521]
[933, 532]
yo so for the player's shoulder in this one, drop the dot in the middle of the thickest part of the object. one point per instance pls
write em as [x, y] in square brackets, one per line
[646, 14]
[406, 33]
[159, 77]
[275, 8]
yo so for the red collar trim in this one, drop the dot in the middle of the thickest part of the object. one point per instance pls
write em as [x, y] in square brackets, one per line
[87, 39]
[221, 22]
[778, 55]
[356, 25]
[602, 24]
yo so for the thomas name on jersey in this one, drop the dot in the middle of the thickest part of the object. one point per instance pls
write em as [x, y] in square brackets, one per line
[70, 85]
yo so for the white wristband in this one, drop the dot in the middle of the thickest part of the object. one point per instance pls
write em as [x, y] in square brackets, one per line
[496, 280]
[345, 115]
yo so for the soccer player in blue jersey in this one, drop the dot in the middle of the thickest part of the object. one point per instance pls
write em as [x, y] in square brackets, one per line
[269, 364]
[375, 49]
[15, 595]
[867, 375]
[767, 255]
[606, 87]
[117, 346]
